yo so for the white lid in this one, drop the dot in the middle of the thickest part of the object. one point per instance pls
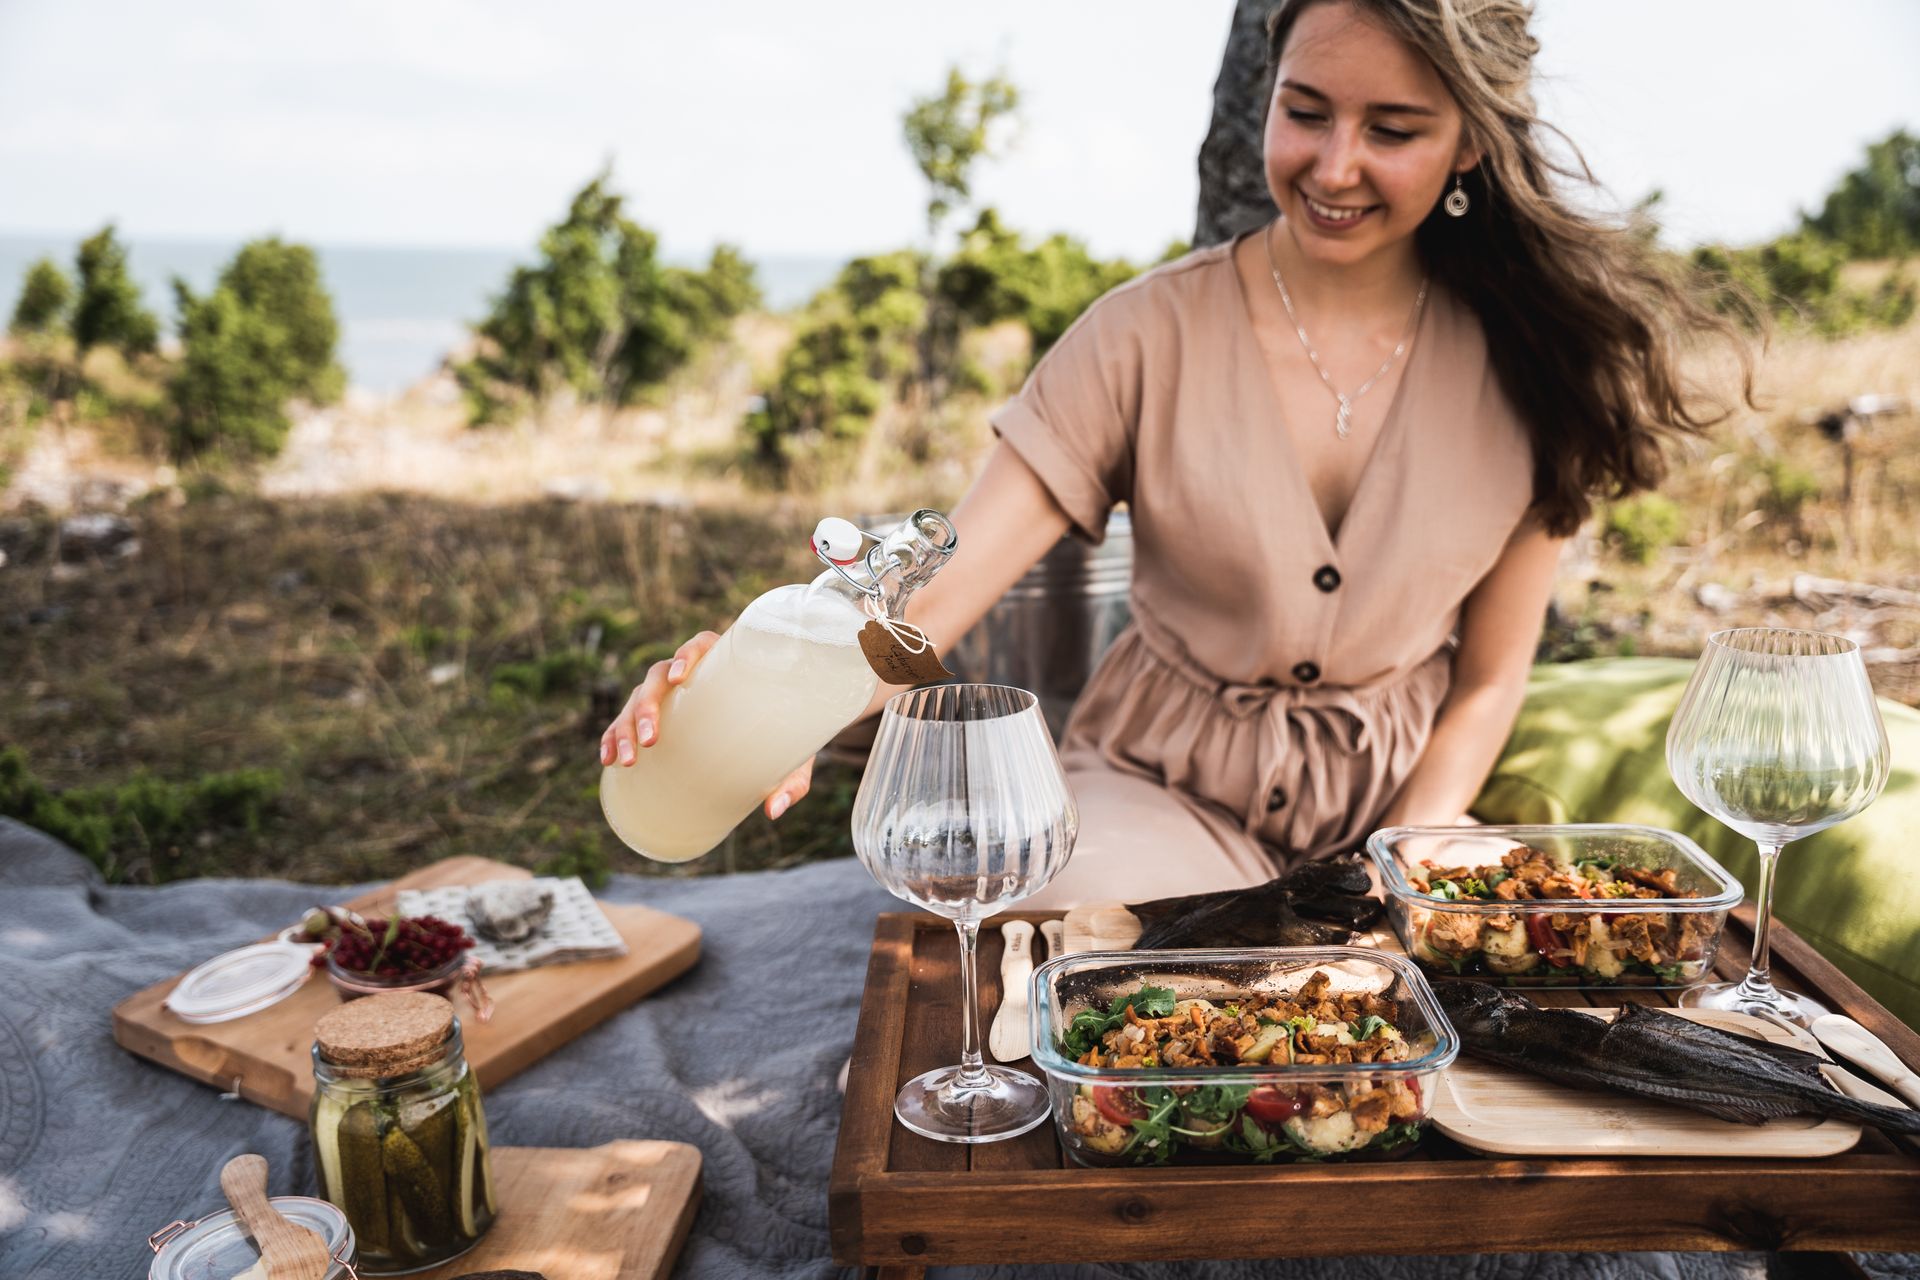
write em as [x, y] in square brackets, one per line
[219, 1246]
[241, 982]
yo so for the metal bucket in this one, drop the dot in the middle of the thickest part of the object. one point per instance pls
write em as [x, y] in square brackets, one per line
[1046, 634]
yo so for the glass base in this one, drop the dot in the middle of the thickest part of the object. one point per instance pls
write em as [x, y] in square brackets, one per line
[1795, 1008]
[937, 1106]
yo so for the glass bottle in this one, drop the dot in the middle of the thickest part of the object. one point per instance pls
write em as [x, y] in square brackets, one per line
[399, 1135]
[780, 682]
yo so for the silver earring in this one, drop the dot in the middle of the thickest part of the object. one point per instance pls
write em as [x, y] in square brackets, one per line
[1456, 201]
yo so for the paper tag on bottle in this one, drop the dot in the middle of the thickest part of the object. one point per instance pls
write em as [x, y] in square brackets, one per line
[894, 663]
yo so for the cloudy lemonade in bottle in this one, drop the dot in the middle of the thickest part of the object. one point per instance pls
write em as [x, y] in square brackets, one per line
[778, 684]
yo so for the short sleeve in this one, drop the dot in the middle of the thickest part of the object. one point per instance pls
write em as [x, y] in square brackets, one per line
[1075, 421]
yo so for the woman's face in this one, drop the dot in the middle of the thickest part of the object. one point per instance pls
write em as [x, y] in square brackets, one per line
[1362, 136]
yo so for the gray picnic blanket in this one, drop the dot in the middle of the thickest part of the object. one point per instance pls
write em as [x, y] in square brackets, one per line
[739, 1057]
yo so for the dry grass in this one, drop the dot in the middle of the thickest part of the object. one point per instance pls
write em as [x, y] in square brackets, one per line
[421, 666]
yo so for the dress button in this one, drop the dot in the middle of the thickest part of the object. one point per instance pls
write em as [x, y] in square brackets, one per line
[1327, 578]
[1276, 800]
[1306, 672]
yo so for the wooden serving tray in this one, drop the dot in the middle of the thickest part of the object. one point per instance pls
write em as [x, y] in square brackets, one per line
[617, 1212]
[264, 1056]
[904, 1202]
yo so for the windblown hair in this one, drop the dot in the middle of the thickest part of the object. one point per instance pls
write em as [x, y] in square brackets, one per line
[1584, 321]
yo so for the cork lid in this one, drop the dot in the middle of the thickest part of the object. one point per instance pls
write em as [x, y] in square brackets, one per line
[385, 1035]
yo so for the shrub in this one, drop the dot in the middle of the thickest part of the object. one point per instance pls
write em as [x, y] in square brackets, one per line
[1797, 278]
[45, 296]
[599, 314]
[1788, 488]
[229, 392]
[854, 348]
[280, 283]
[1875, 211]
[993, 276]
[1641, 527]
[108, 311]
[143, 827]
[264, 335]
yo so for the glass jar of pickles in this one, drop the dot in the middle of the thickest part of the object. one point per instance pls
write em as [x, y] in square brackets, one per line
[399, 1138]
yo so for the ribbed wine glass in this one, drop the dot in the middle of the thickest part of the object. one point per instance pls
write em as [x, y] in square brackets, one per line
[964, 810]
[1778, 736]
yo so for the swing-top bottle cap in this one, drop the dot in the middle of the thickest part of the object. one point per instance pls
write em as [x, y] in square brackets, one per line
[838, 540]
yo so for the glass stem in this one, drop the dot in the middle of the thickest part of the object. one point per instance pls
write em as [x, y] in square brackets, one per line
[1757, 986]
[973, 1070]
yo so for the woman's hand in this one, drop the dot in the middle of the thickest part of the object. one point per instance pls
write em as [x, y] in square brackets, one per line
[637, 727]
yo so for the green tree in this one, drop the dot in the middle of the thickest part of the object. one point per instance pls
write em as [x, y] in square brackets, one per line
[950, 131]
[264, 335]
[853, 349]
[44, 297]
[229, 391]
[600, 313]
[994, 276]
[1875, 211]
[281, 284]
[947, 134]
[108, 312]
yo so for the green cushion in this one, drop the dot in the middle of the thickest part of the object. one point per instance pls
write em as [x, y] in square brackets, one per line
[1590, 746]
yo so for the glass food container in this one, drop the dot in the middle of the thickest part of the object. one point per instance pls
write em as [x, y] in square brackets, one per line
[219, 1246]
[1255, 1111]
[399, 1136]
[1462, 929]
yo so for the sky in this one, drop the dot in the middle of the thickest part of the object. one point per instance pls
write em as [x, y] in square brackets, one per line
[776, 126]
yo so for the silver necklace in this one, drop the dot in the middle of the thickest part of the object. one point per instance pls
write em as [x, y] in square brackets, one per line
[1342, 421]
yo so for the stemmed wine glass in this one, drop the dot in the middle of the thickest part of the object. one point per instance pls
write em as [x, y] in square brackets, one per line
[964, 810]
[1778, 736]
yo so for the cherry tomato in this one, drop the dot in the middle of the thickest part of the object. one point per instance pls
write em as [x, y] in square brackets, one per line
[1270, 1104]
[1121, 1106]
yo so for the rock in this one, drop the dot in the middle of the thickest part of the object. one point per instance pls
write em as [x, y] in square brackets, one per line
[509, 910]
[1233, 175]
[1715, 598]
[444, 673]
[97, 535]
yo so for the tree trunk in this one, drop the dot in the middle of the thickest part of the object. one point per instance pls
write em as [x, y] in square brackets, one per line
[1233, 182]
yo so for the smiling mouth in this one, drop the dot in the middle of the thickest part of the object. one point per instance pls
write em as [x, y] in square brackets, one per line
[1334, 213]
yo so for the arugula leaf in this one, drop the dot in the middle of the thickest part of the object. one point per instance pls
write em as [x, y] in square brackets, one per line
[1084, 1032]
[1368, 1027]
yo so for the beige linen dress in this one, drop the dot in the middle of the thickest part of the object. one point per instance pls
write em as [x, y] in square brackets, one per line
[1277, 684]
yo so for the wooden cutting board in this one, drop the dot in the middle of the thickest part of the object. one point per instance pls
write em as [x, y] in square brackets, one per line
[618, 1212]
[1506, 1112]
[264, 1056]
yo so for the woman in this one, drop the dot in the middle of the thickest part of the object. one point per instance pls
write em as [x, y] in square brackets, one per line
[1352, 443]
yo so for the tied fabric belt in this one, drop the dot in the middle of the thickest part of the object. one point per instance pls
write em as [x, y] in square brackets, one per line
[1285, 719]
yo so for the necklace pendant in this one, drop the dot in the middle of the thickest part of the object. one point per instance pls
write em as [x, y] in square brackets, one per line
[1340, 419]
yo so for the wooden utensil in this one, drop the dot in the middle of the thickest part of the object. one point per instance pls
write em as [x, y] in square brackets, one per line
[1851, 1040]
[1054, 934]
[1007, 1038]
[290, 1252]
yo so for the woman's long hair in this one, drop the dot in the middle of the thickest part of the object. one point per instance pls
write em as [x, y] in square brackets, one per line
[1585, 319]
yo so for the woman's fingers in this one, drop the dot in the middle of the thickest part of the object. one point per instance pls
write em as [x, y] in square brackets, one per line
[638, 724]
[688, 654]
[791, 788]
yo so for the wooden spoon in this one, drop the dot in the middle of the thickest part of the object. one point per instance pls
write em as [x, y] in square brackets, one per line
[290, 1251]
